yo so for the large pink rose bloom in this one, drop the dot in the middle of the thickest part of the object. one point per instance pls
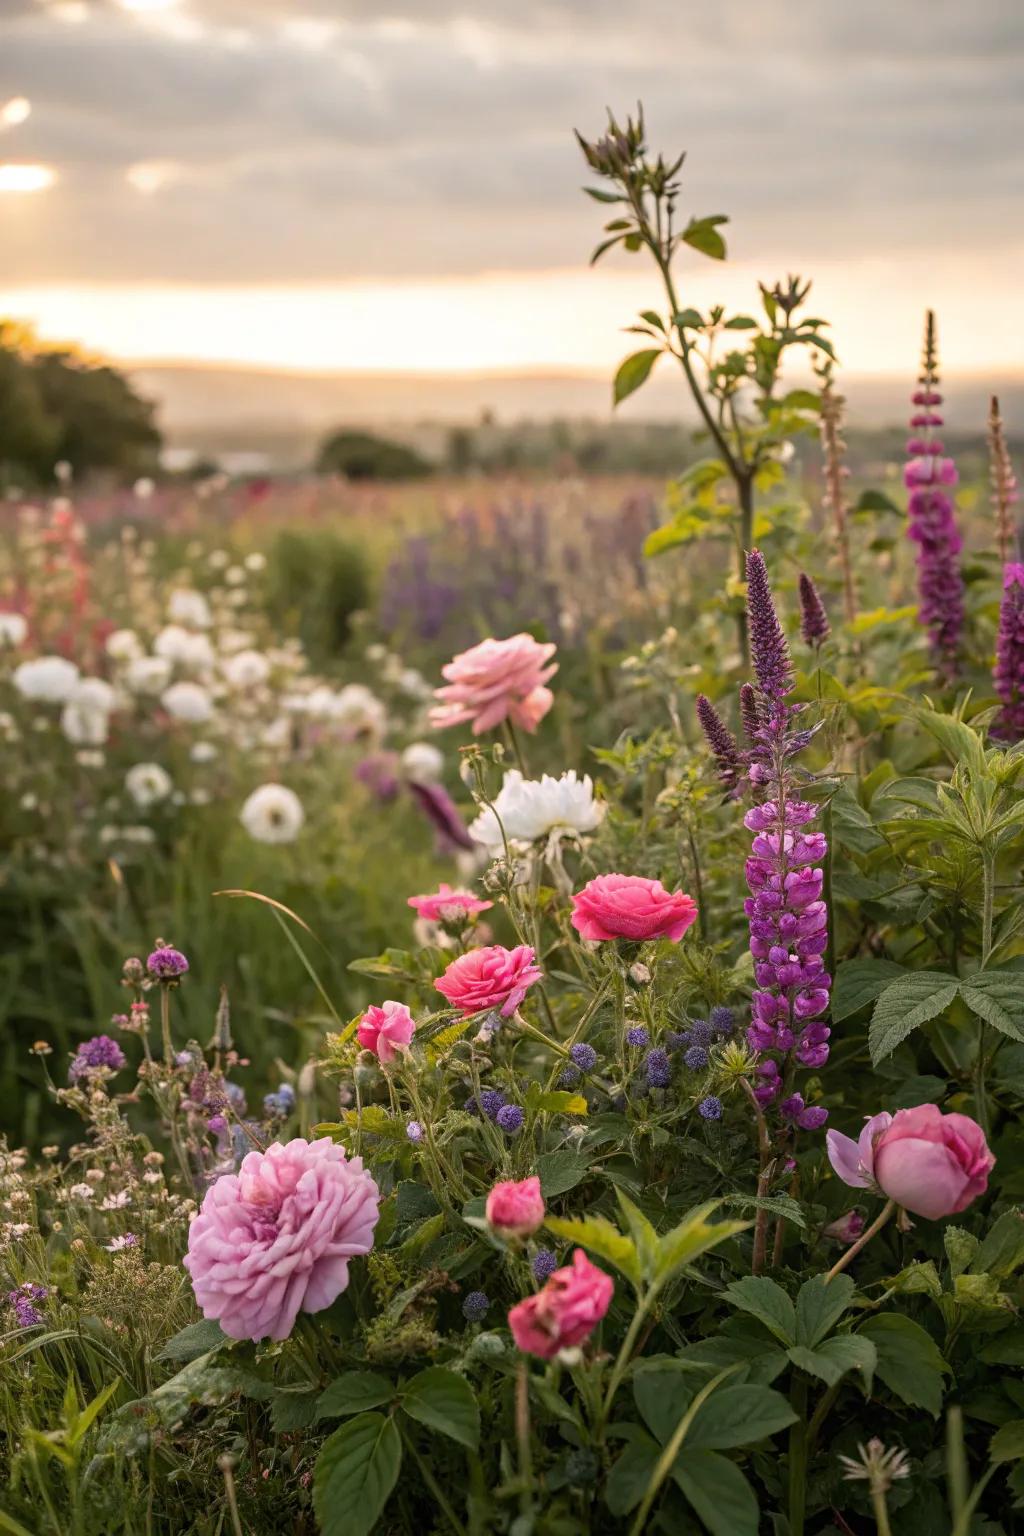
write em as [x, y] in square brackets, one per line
[448, 905]
[565, 1312]
[515, 1208]
[276, 1238]
[930, 1163]
[629, 907]
[387, 1030]
[494, 681]
[490, 977]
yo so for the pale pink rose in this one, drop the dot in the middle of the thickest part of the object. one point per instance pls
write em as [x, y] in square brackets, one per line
[448, 905]
[630, 907]
[931, 1164]
[565, 1312]
[491, 977]
[515, 1209]
[387, 1030]
[494, 681]
[276, 1238]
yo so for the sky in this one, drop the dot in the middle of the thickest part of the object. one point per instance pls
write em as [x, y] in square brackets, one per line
[393, 185]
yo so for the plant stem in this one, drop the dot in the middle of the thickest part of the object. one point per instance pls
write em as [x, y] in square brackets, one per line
[165, 1024]
[523, 1443]
[623, 1358]
[764, 1144]
[881, 1512]
[862, 1241]
[988, 903]
[435, 1488]
[798, 1458]
[672, 1449]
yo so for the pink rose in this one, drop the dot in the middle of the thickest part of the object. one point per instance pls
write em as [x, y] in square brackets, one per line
[277, 1237]
[491, 977]
[630, 907]
[930, 1163]
[515, 1209]
[494, 681]
[565, 1312]
[447, 905]
[387, 1030]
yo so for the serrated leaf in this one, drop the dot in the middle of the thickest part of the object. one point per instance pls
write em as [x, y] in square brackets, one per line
[204, 1337]
[446, 1402]
[644, 1236]
[767, 1301]
[560, 1171]
[718, 1491]
[354, 1393]
[998, 998]
[738, 1415]
[693, 1236]
[633, 372]
[1008, 1441]
[832, 1358]
[905, 1004]
[1002, 1248]
[859, 982]
[598, 1234]
[909, 1360]
[354, 1475]
[820, 1303]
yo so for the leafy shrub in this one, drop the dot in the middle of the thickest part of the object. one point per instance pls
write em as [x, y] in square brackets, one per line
[361, 456]
[316, 582]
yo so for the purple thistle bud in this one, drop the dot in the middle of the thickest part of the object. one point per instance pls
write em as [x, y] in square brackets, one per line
[696, 1058]
[510, 1119]
[584, 1056]
[722, 1019]
[414, 1131]
[814, 626]
[768, 650]
[569, 1076]
[475, 1307]
[676, 1039]
[721, 741]
[710, 1108]
[1009, 667]
[166, 964]
[544, 1264]
[491, 1100]
[637, 1036]
[658, 1068]
[100, 1054]
[700, 1032]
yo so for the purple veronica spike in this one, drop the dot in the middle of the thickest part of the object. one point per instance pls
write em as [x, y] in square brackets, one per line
[721, 741]
[1009, 668]
[768, 650]
[814, 625]
[750, 712]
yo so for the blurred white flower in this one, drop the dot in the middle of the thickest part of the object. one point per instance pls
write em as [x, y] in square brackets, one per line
[147, 783]
[143, 488]
[278, 734]
[202, 752]
[49, 679]
[186, 606]
[148, 674]
[188, 701]
[422, 762]
[529, 809]
[234, 575]
[123, 645]
[231, 640]
[129, 835]
[94, 693]
[257, 561]
[219, 558]
[90, 759]
[358, 711]
[81, 1192]
[273, 814]
[13, 628]
[184, 646]
[246, 670]
[413, 684]
[83, 724]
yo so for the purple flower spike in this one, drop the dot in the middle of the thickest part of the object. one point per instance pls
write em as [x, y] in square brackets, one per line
[166, 964]
[814, 625]
[1009, 668]
[721, 741]
[768, 650]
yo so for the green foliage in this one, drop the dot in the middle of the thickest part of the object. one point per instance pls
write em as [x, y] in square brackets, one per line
[361, 456]
[316, 582]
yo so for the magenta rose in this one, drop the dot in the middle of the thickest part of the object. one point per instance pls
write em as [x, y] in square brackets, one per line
[565, 1312]
[630, 907]
[494, 681]
[490, 977]
[276, 1238]
[932, 1164]
[448, 905]
[515, 1209]
[387, 1030]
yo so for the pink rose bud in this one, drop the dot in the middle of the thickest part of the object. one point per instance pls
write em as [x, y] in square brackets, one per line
[929, 1163]
[515, 1209]
[630, 907]
[494, 681]
[846, 1229]
[387, 1030]
[565, 1312]
[490, 977]
[447, 905]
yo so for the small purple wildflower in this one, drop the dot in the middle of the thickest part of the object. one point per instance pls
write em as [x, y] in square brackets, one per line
[710, 1108]
[281, 1102]
[658, 1068]
[414, 1131]
[722, 1020]
[676, 1039]
[768, 650]
[700, 1032]
[166, 964]
[808, 1118]
[126, 1240]
[1009, 667]
[569, 1077]
[544, 1264]
[637, 1036]
[814, 625]
[724, 748]
[490, 1102]
[100, 1054]
[216, 1124]
[475, 1307]
[696, 1058]
[510, 1119]
[26, 1313]
[584, 1056]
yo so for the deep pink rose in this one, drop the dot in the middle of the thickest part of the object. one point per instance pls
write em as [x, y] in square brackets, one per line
[565, 1312]
[932, 1164]
[494, 681]
[630, 907]
[387, 1030]
[277, 1237]
[448, 905]
[515, 1209]
[490, 977]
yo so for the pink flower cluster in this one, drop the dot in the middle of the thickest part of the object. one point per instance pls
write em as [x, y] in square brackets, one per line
[276, 1238]
[387, 1030]
[565, 1312]
[490, 977]
[930, 1163]
[630, 907]
[494, 681]
[448, 905]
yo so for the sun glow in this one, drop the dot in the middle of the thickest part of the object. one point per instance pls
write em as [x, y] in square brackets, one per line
[26, 178]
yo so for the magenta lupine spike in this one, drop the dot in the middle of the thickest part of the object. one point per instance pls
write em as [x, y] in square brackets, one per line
[722, 742]
[932, 523]
[814, 625]
[787, 915]
[1009, 667]
[1003, 481]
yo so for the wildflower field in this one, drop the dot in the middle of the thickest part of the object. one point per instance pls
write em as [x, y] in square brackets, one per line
[513, 994]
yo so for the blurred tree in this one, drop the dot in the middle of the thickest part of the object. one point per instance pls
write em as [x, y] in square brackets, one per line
[361, 456]
[28, 435]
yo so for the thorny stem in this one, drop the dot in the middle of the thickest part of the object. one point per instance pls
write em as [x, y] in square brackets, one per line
[862, 1241]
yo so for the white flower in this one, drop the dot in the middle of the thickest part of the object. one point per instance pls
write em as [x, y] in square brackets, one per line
[50, 679]
[148, 674]
[185, 647]
[231, 640]
[137, 835]
[273, 814]
[422, 762]
[358, 711]
[234, 575]
[147, 783]
[219, 558]
[123, 645]
[13, 628]
[256, 561]
[127, 1240]
[94, 693]
[246, 670]
[85, 718]
[90, 759]
[278, 734]
[81, 1191]
[529, 809]
[116, 1202]
[188, 701]
[143, 488]
[186, 606]
[202, 752]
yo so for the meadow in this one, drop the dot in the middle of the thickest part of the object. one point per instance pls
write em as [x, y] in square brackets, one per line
[513, 991]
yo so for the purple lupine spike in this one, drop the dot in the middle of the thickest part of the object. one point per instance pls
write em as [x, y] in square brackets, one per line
[720, 739]
[768, 650]
[1009, 667]
[1003, 482]
[814, 625]
[932, 520]
[750, 712]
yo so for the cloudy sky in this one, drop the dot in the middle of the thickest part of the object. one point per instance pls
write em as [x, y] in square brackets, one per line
[393, 184]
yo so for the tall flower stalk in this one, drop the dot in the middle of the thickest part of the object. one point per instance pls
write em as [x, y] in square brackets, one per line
[1004, 484]
[1009, 668]
[932, 523]
[833, 447]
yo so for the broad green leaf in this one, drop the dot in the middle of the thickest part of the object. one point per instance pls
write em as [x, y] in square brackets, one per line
[832, 1358]
[768, 1302]
[1008, 1442]
[598, 1234]
[858, 982]
[633, 372]
[559, 1172]
[961, 1247]
[193, 1340]
[446, 1402]
[663, 1390]
[702, 235]
[558, 1102]
[776, 1205]
[909, 1360]
[819, 1306]
[644, 1236]
[355, 1472]
[740, 1415]
[960, 742]
[1002, 1248]
[875, 501]
[354, 1393]
[718, 1492]
[291, 1411]
[906, 1003]
[998, 998]
[628, 1478]
[693, 1236]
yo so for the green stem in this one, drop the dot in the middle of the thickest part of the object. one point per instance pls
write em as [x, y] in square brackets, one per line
[165, 1024]
[798, 1458]
[862, 1241]
[881, 1512]
[623, 1357]
[435, 1488]
[523, 1443]
[988, 888]
[667, 1458]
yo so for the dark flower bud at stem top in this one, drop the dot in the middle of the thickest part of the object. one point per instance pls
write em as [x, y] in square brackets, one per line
[720, 739]
[814, 626]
